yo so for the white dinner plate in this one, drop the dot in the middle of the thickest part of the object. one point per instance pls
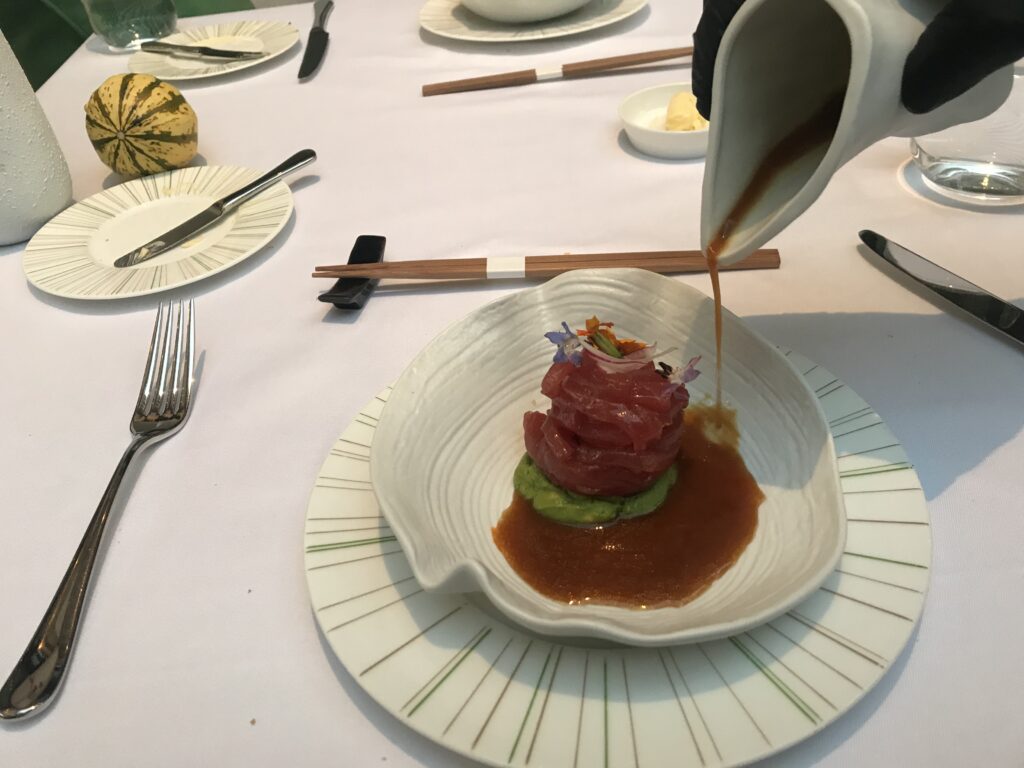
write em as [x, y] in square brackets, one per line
[272, 38]
[73, 254]
[448, 18]
[464, 676]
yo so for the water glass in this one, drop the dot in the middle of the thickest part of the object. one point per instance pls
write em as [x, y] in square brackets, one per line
[980, 162]
[123, 24]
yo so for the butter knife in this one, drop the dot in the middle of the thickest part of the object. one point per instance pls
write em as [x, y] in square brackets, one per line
[197, 51]
[316, 45]
[999, 314]
[215, 212]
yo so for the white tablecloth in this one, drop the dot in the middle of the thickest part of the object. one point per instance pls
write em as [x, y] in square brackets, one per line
[199, 647]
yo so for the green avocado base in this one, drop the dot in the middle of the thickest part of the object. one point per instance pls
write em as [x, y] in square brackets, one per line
[564, 506]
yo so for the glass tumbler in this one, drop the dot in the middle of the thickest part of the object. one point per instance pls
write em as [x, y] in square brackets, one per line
[980, 162]
[123, 24]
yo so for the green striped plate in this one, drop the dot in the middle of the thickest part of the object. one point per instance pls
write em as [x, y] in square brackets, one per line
[466, 677]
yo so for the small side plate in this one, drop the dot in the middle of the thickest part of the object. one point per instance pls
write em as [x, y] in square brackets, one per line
[272, 38]
[73, 254]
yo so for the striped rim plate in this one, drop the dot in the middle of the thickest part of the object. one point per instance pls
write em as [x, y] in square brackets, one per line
[448, 18]
[269, 37]
[73, 254]
[464, 676]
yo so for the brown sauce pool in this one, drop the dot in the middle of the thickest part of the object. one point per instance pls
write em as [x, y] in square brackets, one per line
[665, 558]
[816, 131]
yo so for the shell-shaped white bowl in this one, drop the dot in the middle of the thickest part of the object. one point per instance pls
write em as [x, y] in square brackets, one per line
[643, 118]
[522, 11]
[451, 434]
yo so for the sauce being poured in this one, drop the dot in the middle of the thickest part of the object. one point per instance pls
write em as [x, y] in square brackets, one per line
[807, 137]
[665, 558]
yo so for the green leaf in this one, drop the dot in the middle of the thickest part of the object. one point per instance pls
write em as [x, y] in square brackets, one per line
[605, 344]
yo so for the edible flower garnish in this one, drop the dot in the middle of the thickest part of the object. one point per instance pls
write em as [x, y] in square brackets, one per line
[688, 373]
[570, 349]
[599, 334]
[683, 375]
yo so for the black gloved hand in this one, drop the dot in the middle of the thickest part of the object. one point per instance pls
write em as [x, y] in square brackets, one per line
[706, 39]
[967, 41]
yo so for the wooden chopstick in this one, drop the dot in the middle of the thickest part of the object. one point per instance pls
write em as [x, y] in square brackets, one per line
[664, 262]
[576, 69]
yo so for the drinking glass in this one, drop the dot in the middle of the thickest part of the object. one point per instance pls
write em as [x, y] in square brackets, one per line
[980, 162]
[123, 24]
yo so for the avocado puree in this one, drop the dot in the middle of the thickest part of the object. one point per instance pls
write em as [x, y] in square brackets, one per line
[564, 506]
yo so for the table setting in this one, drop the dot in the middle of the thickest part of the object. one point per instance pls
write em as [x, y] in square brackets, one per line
[758, 347]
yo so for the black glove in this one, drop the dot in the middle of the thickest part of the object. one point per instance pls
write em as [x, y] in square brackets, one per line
[967, 41]
[706, 39]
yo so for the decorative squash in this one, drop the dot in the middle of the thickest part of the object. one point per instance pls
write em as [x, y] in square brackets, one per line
[140, 125]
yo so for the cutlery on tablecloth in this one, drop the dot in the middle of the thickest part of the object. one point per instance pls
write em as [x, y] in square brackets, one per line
[215, 212]
[316, 45]
[976, 301]
[162, 409]
[664, 262]
[576, 69]
[197, 51]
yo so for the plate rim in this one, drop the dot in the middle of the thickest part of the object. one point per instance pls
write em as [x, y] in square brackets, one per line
[278, 227]
[510, 33]
[583, 626]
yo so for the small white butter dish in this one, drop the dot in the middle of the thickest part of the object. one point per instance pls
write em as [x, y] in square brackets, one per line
[643, 117]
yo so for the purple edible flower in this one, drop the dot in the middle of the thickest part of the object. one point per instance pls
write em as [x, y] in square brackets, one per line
[570, 348]
[688, 373]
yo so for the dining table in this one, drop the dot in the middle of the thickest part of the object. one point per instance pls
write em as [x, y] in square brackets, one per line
[199, 645]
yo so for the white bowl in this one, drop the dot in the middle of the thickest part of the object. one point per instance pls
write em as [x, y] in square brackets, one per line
[451, 435]
[643, 117]
[522, 11]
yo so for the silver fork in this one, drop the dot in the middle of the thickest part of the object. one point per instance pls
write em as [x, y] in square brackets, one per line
[162, 408]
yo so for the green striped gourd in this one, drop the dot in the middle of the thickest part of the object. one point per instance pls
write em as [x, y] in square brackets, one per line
[139, 125]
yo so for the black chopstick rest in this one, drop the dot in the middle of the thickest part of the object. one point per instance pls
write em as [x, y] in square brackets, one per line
[354, 292]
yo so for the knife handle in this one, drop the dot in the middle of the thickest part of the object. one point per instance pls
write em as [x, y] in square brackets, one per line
[321, 20]
[293, 163]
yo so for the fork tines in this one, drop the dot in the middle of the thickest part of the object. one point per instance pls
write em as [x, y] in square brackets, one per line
[170, 368]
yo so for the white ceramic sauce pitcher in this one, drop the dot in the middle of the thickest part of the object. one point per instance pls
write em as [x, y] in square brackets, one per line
[34, 179]
[778, 63]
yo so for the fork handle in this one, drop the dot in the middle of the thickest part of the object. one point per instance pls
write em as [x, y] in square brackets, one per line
[40, 671]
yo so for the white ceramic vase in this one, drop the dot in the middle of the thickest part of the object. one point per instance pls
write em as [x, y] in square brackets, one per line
[34, 179]
[778, 63]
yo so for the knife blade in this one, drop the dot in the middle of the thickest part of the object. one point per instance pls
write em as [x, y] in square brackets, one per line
[213, 213]
[1000, 315]
[316, 45]
[197, 51]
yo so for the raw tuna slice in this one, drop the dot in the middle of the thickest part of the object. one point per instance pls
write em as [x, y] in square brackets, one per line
[610, 431]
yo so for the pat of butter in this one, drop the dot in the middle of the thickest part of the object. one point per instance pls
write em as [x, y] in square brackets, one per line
[682, 114]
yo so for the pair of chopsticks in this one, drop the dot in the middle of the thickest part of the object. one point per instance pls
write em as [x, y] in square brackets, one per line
[530, 267]
[577, 69]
